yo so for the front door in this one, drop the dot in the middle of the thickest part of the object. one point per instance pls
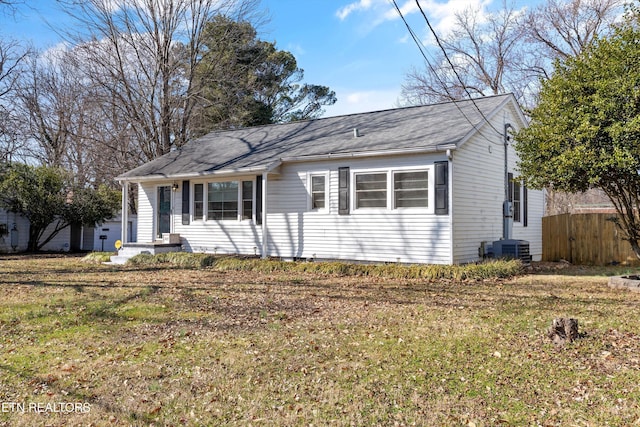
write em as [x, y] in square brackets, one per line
[164, 210]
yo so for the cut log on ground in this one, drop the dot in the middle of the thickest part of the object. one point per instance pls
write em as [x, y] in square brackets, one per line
[563, 330]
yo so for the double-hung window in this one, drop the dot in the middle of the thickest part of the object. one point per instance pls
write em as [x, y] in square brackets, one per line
[222, 200]
[515, 190]
[247, 199]
[371, 190]
[198, 201]
[397, 189]
[516, 201]
[318, 187]
[411, 189]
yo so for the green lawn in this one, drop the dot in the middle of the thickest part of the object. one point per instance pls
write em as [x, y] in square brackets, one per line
[84, 344]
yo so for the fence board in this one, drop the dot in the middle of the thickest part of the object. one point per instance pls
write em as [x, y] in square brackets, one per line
[588, 239]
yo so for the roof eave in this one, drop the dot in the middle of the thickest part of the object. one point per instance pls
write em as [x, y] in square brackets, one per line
[194, 175]
[441, 148]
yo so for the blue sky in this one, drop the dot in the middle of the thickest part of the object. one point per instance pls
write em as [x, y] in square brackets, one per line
[359, 48]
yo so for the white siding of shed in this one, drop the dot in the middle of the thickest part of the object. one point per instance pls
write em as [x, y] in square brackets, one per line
[111, 228]
[60, 242]
[478, 194]
[22, 225]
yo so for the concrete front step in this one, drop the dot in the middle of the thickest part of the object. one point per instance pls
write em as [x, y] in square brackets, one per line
[132, 249]
[117, 259]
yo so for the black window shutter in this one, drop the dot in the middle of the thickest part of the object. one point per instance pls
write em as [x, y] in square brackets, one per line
[185, 202]
[259, 199]
[442, 188]
[343, 191]
[525, 206]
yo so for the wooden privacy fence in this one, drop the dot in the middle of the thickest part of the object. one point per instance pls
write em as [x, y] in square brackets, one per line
[586, 239]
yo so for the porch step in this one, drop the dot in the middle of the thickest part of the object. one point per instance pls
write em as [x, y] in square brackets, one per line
[117, 259]
[133, 249]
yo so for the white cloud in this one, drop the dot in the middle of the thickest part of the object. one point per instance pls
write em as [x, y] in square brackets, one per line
[441, 14]
[444, 14]
[347, 10]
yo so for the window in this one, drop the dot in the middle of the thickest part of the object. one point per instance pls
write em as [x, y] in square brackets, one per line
[318, 192]
[198, 201]
[411, 189]
[247, 199]
[516, 201]
[222, 200]
[371, 190]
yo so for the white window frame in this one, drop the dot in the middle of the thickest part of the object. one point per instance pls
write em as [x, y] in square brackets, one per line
[354, 197]
[205, 202]
[310, 176]
[390, 206]
[516, 190]
[238, 200]
[193, 202]
[430, 189]
[253, 200]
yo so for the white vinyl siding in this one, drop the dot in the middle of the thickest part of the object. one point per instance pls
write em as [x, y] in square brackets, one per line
[372, 234]
[146, 208]
[220, 237]
[60, 241]
[478, 194]
[22, 231]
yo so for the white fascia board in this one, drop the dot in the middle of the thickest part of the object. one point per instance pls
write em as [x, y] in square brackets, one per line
[221, 173]
[340, 156]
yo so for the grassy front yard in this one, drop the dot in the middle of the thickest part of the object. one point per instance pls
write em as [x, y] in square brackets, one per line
[84, 344]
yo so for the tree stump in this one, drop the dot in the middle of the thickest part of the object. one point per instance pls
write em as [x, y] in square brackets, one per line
[563, 330]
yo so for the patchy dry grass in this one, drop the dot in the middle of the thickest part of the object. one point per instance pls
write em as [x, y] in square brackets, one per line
[142, 346]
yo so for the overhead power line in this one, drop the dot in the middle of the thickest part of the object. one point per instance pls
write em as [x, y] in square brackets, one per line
[453, 68]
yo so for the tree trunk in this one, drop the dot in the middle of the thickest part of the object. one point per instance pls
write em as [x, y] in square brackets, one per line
[562, 330]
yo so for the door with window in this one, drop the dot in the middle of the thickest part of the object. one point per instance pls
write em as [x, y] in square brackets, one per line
[164, 211]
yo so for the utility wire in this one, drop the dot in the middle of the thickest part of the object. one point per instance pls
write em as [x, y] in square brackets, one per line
[424, 55]
[453, 68]
[444, 51]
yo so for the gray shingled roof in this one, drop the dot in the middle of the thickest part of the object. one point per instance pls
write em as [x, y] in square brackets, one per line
[429, 128]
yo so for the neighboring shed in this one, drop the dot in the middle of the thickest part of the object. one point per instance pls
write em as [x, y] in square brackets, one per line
[416, 185]
[14, 235]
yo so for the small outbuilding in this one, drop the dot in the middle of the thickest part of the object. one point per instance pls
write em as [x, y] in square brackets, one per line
[421, 184]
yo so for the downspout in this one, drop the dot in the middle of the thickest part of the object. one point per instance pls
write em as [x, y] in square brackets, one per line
[264, 215]
[507, 208]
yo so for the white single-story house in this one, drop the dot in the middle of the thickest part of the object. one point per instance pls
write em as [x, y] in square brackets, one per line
[14, 235]
[421, 184]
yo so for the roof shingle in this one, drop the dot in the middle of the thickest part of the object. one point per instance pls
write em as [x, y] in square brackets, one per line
[259, 148]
